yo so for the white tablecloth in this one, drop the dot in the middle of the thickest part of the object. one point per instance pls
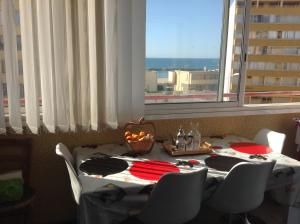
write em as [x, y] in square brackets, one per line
[286, 171]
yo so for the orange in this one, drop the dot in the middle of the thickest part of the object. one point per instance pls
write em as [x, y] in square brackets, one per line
[134, 139]
[127, 133]
[135, 136]
[142, 134]
[142, 139]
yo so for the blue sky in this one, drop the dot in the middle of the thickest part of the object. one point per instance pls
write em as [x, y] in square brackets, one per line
[183, 28]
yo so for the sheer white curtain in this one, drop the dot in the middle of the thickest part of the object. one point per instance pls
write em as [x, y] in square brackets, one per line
[81, 69]
[125, 69]
[30, 64]
[11, 64]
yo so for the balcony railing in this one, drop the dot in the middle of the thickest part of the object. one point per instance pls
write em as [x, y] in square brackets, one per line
[290, 96]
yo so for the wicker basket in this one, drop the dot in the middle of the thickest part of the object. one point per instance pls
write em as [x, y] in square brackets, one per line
[145, 144]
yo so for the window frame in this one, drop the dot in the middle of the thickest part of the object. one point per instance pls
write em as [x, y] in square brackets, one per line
[219, 108]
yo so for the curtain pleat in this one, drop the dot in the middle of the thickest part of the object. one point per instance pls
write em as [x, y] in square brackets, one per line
[46, 60]
[2, 118]
[124, 76]
[124, 28]
[96, 62]
[70, 64]
[93, 68]
[11, 64]
[138, 57]
[60, 64]
[111, 63]
[83, 79]
[30, 64]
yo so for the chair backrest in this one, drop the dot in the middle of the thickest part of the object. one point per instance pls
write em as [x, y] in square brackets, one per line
[15, 155]
[64, 152]
[270, 138]
[176, 198]
[243, 188]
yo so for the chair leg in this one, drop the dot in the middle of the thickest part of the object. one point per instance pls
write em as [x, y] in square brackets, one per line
[246, 219]
[250, 219]
[230, 218]
[238, 219]
[234, 219]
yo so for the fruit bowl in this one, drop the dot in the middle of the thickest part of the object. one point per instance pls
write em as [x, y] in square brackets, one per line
[139, 136]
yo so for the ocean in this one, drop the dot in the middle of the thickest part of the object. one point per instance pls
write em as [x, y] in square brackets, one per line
[162, 65]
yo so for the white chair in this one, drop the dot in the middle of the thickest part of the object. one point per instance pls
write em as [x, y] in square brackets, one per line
[243, 189]
[175, 199]
[63, 151]
[270, 138]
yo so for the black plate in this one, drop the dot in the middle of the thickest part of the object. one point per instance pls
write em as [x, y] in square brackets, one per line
[222, 163]
[103, 166]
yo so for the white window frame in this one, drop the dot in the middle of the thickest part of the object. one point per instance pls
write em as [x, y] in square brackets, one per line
[208, 109]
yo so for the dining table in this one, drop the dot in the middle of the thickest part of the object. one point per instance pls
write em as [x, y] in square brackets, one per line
[114, 181]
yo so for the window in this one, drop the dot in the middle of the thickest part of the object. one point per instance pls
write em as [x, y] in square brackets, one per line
[290, 4]
[195, 54]
[186, 61]
[293, 35]
[272, 81]
[268, 4]
[279, 34]
[271, 50]
[275, 19]
[177, 79]
[18, 58]
[264, 50]
[289, 81]
[261, 66]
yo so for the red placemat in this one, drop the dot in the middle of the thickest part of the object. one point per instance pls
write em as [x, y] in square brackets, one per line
[250, 148]
[152, 169]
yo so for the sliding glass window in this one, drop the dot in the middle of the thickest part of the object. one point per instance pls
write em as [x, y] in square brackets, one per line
[190, 51]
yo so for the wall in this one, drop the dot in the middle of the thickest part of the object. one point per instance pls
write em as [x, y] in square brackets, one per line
[49, 176]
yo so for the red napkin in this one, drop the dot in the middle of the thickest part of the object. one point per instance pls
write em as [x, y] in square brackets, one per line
[250, 148]
[152, 169]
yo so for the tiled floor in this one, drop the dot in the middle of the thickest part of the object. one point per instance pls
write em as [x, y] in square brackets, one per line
[269, 212]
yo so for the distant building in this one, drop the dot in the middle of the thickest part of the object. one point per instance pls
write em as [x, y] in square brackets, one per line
[172, 78]
[191, 81]
[151, 81]
[273, 61]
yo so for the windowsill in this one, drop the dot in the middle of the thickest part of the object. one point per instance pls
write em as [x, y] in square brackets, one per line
[253, 109]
